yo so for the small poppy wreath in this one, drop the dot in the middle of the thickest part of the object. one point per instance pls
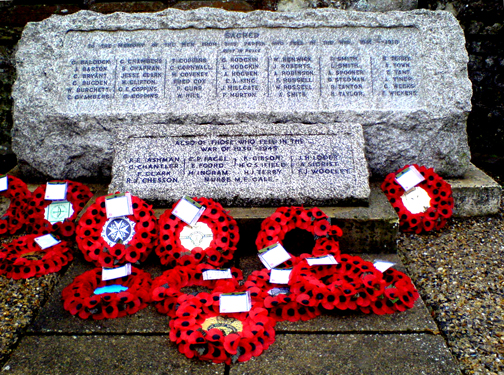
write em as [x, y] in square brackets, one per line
[220, 250]
[278, 298]
[135, 235]
[284, 219]
[15, 216]
[79, 297]
[351, 284]
[77, 194]
[167, 290]
[23, 258]
[440, 206]
[201, 331]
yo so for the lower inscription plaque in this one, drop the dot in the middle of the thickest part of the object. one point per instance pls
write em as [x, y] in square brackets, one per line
[254, 164]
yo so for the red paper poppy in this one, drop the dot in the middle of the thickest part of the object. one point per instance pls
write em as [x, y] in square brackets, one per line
[16, 215]
[220, 249]
[77, 194]
[79, 297]
[440, 207]
[135, 235]
[284, 219]
[23, 258]
[167, 290]
[221, 338]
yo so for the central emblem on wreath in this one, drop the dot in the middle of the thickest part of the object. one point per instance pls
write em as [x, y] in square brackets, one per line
[118, 230]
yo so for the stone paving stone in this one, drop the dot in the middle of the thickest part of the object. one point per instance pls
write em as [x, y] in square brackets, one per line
[107, 355]
[53, 318]
[352, 354]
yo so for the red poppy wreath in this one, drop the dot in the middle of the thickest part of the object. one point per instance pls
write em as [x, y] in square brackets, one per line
[89, 296]
[201, 331]
[212, 240]
[19, 196]
[23, 258]
[425, 207]
[118, 240]
[278, 298]
[168, 289]
[47, 216]
[352, 284]
[275, 227]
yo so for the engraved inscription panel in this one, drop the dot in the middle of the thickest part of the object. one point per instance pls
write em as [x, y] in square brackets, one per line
[246, 70]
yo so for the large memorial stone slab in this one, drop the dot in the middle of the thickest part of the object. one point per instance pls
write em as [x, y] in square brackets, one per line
[253, 164]
[83, 77]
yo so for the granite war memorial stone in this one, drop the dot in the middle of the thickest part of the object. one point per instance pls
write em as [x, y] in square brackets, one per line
[85, 77]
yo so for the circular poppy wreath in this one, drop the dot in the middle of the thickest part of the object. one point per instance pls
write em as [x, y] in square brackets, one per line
[23, 258]
[278, 298]
[284, 219]
[224, 230]
[167, 290]
[440, 206]
[77, 194]
[136, 234]
[19, 196]
[201, 331]
[79, 298]
[352, 284]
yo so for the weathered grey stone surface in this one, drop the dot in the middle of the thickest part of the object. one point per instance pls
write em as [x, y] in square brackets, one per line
[246, 165]
[83, 77]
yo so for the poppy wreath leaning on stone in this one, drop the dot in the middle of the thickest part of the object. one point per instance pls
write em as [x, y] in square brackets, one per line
[167, 292]
[109, 242]
[88, 296]
[23, 258]
[201, 331]
[15, 216]
[352, 284]
[77, 194]
[433, 216]
[284, 219]
[215, 224]
[278, 299]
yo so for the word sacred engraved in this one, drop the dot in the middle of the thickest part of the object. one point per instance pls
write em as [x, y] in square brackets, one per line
[245, 69]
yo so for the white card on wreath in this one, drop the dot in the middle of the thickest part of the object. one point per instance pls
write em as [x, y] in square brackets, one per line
[326, 260]
[46, 241]
[118, 205]
[234, 302]
[188, 210]
[276, 291]
[4, 182]
[280, 275]
[217, 274]
[115, 273]
[56, 191]
[273, 255]
[409, 178]
[382, 265]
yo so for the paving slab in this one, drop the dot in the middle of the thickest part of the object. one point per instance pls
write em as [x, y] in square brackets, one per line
[54, 319]
[79, 355]
[352, 354]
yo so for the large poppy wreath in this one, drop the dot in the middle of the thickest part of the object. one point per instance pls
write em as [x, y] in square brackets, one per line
[77, 194]
[201, 331]
[212, 240]
[426, 207]
[278, 299]
[89, 296]
[352, 284]
[108, 242]
[23, 258]
[19, 196]
[168, 289]
[284, 219]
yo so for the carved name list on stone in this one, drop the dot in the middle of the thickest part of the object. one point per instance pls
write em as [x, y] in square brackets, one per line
[300, 164]
[248, 69]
